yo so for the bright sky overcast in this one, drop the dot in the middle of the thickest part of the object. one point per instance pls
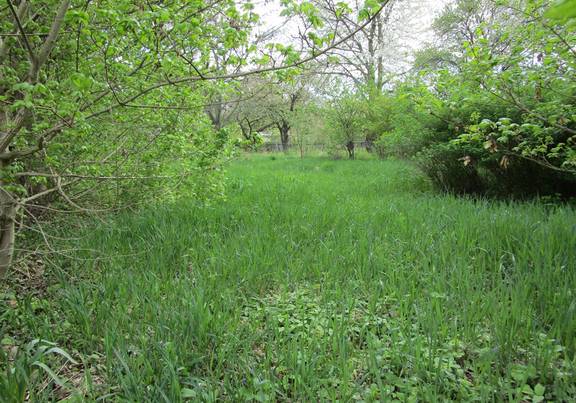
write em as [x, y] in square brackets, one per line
[418, 23]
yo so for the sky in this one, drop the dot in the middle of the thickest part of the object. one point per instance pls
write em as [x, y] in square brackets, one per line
[417, 23]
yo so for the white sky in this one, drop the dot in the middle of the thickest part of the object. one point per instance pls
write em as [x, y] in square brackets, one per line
[417, 24]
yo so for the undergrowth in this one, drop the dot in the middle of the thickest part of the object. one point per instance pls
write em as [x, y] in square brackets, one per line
[315, 280]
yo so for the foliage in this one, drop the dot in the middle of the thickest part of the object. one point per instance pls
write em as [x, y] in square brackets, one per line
[253, 143]
[345, 123]
[308, 127]
[546, 145]
[90, 61]
[91, 114]
[398, 124]
[526, 69]
[562, 10]
[26, 366]
[491, 109]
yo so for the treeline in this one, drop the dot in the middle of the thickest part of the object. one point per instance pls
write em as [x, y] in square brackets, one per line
[489, 109]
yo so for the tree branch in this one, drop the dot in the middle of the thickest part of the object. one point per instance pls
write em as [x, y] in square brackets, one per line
[50, 40]
[188, 79]
[16, 16]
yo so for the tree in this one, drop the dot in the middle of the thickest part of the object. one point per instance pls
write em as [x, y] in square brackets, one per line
[379, 53]
[250, 113]
[308, 124]
[282, 108]
[381, 50]
[345, 123]
[270, 103]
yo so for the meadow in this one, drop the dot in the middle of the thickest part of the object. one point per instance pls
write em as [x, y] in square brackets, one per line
[314, 280]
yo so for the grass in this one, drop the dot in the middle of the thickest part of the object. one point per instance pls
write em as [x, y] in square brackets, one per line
[315, 280]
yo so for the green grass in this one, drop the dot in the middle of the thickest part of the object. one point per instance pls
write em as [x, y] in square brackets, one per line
[315, 280]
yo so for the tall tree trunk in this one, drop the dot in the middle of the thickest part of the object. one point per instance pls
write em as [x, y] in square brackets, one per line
[7, 230]
[284, 136]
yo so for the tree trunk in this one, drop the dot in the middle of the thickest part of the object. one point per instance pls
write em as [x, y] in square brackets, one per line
[369, 144]
[7, 230]
[350, 149]
[284, 138]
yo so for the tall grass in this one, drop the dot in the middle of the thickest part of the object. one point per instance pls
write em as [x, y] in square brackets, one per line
[320, 280]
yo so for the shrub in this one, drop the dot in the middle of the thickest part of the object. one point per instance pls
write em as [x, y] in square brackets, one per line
[398, 143]
[446, 166]
[465, 169]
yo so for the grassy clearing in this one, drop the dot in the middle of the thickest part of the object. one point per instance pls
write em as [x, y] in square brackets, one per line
[315, 280]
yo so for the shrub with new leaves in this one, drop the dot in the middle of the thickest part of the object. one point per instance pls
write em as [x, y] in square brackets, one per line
[345, 120]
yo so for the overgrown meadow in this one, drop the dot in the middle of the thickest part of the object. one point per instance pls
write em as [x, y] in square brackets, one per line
[315, 280]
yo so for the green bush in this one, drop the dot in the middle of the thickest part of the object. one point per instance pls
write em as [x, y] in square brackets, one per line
[465, 169]
[398, 144]
[346, 125]
[445, 165]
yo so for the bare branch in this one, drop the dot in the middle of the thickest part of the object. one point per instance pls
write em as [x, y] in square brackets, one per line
[16, 15]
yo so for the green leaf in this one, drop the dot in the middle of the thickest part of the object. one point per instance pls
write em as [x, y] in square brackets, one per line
[57, 350]
[539, 390]
[81, 82]
[527, 390]
[563, 10]
[187, 393]
[51, 373]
